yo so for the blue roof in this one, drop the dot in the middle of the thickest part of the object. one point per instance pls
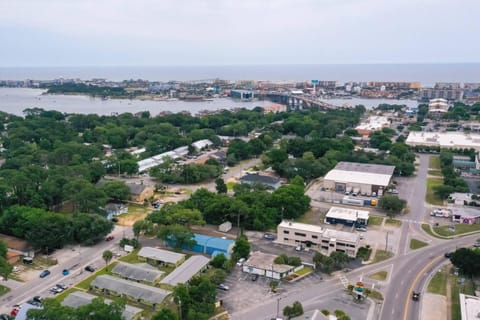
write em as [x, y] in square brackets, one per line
[213, 242]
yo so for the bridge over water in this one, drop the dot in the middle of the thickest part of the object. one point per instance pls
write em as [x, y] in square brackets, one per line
[296, 102]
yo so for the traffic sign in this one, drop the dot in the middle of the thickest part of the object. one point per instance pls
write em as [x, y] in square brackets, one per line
[314, 81]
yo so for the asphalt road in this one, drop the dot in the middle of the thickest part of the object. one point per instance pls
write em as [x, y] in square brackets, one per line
[75, 261]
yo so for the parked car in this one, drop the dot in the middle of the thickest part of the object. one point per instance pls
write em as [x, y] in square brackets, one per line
[222, 286]
[34, 303]
[65, 272]
[298, 248]
[62, 286]
[254, 277]
[56, 290]
[448, 255]
[37, 299]
[269, 236]
[109, 238]
[240, 262]
[44, 273]
[361, 229]
[89, 269]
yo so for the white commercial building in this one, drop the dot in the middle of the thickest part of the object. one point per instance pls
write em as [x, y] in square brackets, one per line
[373, 123]
[263, 264]
[447, 140]
[469, 307]
[347, 216]
[359, 178]
[324, 240]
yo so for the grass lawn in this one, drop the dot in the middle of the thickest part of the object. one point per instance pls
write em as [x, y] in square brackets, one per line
[3, 290]
[230, 185]
[309, 217]
[132, 257]
[393, 222]
[434, 163]
[435, 173]
[376, 295]
[59, 298]
[85, 284]
[438, 284]
[417, 244]
[456, 290]
[135, 213]
[375, 220]
[381, 275]
[304, 271]
[459, 229]
[431, 197]
[381, 255]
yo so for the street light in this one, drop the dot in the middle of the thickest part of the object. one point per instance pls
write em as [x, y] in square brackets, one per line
[278, 305]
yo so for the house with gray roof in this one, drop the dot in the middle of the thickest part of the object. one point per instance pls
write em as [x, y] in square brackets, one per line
[138, 292]
[156, 256]
[79, 298]
[186, 271]
[141, 272]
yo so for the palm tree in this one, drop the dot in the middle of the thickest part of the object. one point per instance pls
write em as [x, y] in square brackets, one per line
[107, 256]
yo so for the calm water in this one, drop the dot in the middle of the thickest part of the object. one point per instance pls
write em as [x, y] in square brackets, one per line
[427, 74]
[15, 100]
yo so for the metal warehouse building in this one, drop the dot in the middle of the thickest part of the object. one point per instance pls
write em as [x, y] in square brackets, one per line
[348, 217]
[365, 178]
[212, 245]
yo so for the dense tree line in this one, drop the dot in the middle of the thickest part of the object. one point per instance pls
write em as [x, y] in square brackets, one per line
[46, 231]
[91, 90]
[196, 300]
[97, 309]
[452, 182]
[252, 207]
[171, 172]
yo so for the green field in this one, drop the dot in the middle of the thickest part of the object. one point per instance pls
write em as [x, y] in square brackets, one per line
[393, 222]
[434, 163]
[417, 244]
[459, 229]
[435, 173]
[431, 197]
[3, 290]
[375, 220]
[381, 275]
[438, 284]
[381, 255]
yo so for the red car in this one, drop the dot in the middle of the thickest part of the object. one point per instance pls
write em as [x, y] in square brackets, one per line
[109, 238]
[14, 312]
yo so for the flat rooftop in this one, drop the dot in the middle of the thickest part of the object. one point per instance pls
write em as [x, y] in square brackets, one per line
[444, 139]
[300, 226]
[469, 307]
[347, 214]
[324, 232]
[344, 176]
[264, 261]
[364, 167]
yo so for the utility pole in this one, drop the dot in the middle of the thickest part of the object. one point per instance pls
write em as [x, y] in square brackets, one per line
[386, 241]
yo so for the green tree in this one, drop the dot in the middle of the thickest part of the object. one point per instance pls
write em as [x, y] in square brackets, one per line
[3, 249]
[116, 190]
[392, 204]
[443, 191]
[220, 186]
[165, 314]
[339, 258]
[467, 260]
[5, 268]
[242, 247]
[218, 261]
[177, 235]
[107, 256]
[293, 311]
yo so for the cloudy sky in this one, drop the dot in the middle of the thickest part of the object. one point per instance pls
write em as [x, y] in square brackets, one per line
[213, 32]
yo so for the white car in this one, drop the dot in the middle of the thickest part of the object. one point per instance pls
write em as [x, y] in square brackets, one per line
[240, 262]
